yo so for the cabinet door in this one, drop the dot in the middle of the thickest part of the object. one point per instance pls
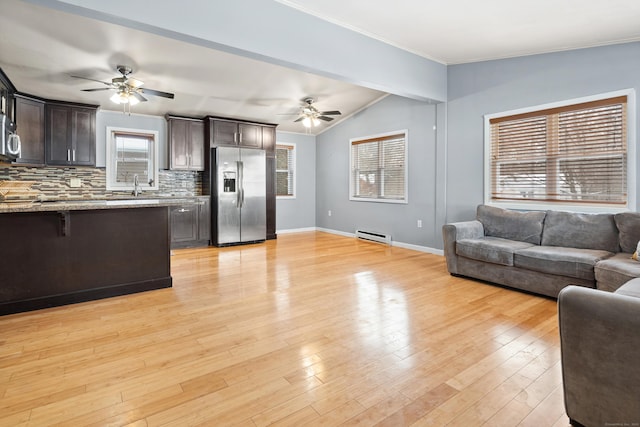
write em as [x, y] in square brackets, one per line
[196, 152]
[204, 220]
[30, 127]
[225, 133]
[250, 135]
[178, 144]
[70, 135]
[269, 141]
[58, 135]
[83, 137]
[184, 223]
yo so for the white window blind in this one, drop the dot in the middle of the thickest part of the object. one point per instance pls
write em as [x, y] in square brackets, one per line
[378, 168]
[285, 160]
[575, 153]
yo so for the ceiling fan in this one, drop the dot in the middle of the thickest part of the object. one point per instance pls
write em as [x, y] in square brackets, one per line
[311, 116]
[128, 89]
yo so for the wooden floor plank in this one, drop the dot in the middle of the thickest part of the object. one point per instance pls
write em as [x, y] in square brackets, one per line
[309, 329]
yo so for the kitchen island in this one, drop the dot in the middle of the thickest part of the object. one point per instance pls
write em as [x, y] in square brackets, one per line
[64, 252]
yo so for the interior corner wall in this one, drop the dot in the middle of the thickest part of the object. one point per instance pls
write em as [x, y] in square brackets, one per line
[300, 212]
[488, 87]
[392, 113]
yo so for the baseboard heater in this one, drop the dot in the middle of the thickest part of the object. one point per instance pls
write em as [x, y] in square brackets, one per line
[374, 236]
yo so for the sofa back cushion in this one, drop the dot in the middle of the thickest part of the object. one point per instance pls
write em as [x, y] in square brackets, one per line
[628, 230]
[581, 231]
[512, 225]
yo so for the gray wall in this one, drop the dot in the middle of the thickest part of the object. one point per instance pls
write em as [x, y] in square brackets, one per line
[133, 121]
[332, 173]
[502, 85]
[299, 212]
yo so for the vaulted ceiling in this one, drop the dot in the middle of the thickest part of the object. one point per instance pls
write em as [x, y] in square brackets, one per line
[41, 48]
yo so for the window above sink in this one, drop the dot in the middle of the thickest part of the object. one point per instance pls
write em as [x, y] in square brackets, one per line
[132, 153]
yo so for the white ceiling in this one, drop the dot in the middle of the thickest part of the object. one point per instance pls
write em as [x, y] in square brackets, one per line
[40, 48]
[461, 31]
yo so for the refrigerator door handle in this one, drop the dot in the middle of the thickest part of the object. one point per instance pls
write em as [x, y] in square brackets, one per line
[240, 184]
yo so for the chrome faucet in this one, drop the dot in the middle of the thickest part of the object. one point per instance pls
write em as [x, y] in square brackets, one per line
[136, 186]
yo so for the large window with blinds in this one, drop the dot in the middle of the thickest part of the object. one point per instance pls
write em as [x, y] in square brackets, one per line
[285, 165]
[572, 154]
[379, 168]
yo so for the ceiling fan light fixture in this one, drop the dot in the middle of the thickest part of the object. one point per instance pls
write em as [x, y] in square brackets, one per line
[306, 122]
[120, 97]
[124, 97]
[133, 100]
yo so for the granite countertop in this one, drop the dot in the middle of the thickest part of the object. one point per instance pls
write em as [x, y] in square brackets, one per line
[93, 204]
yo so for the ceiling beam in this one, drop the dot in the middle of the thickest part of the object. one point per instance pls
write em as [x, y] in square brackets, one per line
[275, 33]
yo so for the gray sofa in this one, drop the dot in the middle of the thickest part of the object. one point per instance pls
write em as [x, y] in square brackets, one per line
[544, 251]
[599, 343]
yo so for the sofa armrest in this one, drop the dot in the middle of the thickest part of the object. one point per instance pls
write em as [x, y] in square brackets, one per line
[455, 231]
[599, 341]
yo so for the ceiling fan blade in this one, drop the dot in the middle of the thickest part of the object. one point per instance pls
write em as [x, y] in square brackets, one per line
[97, 89]
[157, 93]
[299, 119]
[331, 113]
[134, 82]
[139, 97]
[325, 118]
[93, 80]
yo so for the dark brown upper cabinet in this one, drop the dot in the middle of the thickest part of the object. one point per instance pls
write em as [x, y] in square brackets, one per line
[269, 140]
[30, 127]
[227, 132]
[186, 143]
[70, 135]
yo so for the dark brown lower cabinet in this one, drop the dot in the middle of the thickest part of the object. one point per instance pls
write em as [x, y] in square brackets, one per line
[190, 224]
[56, 258]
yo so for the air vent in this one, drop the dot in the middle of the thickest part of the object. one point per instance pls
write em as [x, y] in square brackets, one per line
[374, 236]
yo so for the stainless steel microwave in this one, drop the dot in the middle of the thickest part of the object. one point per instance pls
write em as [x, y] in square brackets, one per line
[9, 140]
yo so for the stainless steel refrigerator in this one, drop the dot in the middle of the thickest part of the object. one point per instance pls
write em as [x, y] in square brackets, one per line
[238, 192]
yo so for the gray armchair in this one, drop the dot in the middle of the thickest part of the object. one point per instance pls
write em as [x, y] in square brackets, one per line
[600, 344]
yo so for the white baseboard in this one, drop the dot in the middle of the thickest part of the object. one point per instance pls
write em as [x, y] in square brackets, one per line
[339, 233]
[296, 230]
[398, 244]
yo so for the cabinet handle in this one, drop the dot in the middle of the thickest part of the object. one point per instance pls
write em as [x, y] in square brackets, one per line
[183, 210]
[68, 155]
[74, 154]
[240, 137]
[235, 137]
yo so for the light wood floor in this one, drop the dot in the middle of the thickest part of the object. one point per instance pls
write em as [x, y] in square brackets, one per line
[311, 329]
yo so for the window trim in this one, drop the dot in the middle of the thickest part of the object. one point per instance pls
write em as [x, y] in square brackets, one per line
[111, 157]
[405, 200]
[568, 206]
[293, 164]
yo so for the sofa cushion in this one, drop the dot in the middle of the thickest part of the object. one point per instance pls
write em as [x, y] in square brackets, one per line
[614, 272]
[581, 231]
[628, 224]
[490, 249]
[513, 225]
[630, 289]
[570, 262]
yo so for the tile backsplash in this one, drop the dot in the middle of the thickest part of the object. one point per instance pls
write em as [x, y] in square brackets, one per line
[54, 182]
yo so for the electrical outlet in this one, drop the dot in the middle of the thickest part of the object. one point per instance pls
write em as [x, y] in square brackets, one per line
[419, 223]
[75, 182]
[329, 213]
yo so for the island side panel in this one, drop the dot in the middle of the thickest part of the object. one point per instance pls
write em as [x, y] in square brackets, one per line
[56, 258]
